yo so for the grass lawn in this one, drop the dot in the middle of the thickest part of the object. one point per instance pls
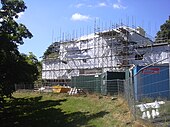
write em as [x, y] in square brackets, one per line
[31, 109]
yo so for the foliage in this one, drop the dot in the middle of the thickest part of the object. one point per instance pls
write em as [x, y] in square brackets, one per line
[28, 68]
[52, 51]
[14, 67]
[164, 34]
[38, 81]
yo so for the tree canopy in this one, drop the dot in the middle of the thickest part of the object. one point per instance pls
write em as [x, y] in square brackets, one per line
[14, 66]
[52, 51]
[164, 34]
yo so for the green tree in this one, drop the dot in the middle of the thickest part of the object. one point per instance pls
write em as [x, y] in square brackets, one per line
[38, 82]
[11, 36]
[28, 68]
[164, 34]
[34, 69]
[52, 51]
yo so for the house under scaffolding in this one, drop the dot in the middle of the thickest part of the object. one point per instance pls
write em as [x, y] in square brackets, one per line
[110, 50]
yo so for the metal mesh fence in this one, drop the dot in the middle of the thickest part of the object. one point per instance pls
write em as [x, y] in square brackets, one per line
[88, 83]
[95, 84]
[129, 92]
[147, 91]
[24, 86]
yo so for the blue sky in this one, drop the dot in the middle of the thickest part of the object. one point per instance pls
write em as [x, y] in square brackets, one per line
[51, 20]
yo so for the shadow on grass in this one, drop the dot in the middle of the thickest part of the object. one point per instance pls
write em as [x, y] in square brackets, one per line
[33, 112]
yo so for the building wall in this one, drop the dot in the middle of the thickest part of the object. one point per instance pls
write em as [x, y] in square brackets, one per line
[102, 51]
[151, 55]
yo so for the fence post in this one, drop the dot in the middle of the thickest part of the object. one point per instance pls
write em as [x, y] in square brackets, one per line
[15, 87]
[169, 66]
[118, 86]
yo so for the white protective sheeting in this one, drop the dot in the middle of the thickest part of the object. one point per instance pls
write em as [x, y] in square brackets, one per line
[102, 51]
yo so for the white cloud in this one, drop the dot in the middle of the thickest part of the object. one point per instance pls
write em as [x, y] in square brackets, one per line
[19, 16]
[118, 5]
[90, 6]
[79, 5]
[102, 4]
[79, 17]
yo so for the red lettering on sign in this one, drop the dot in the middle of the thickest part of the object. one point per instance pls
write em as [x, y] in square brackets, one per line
[151, 71]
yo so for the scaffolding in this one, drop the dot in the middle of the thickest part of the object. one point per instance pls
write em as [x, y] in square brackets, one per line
[111, 49]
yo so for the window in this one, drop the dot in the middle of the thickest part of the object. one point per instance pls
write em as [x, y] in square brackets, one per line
[84, 60]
